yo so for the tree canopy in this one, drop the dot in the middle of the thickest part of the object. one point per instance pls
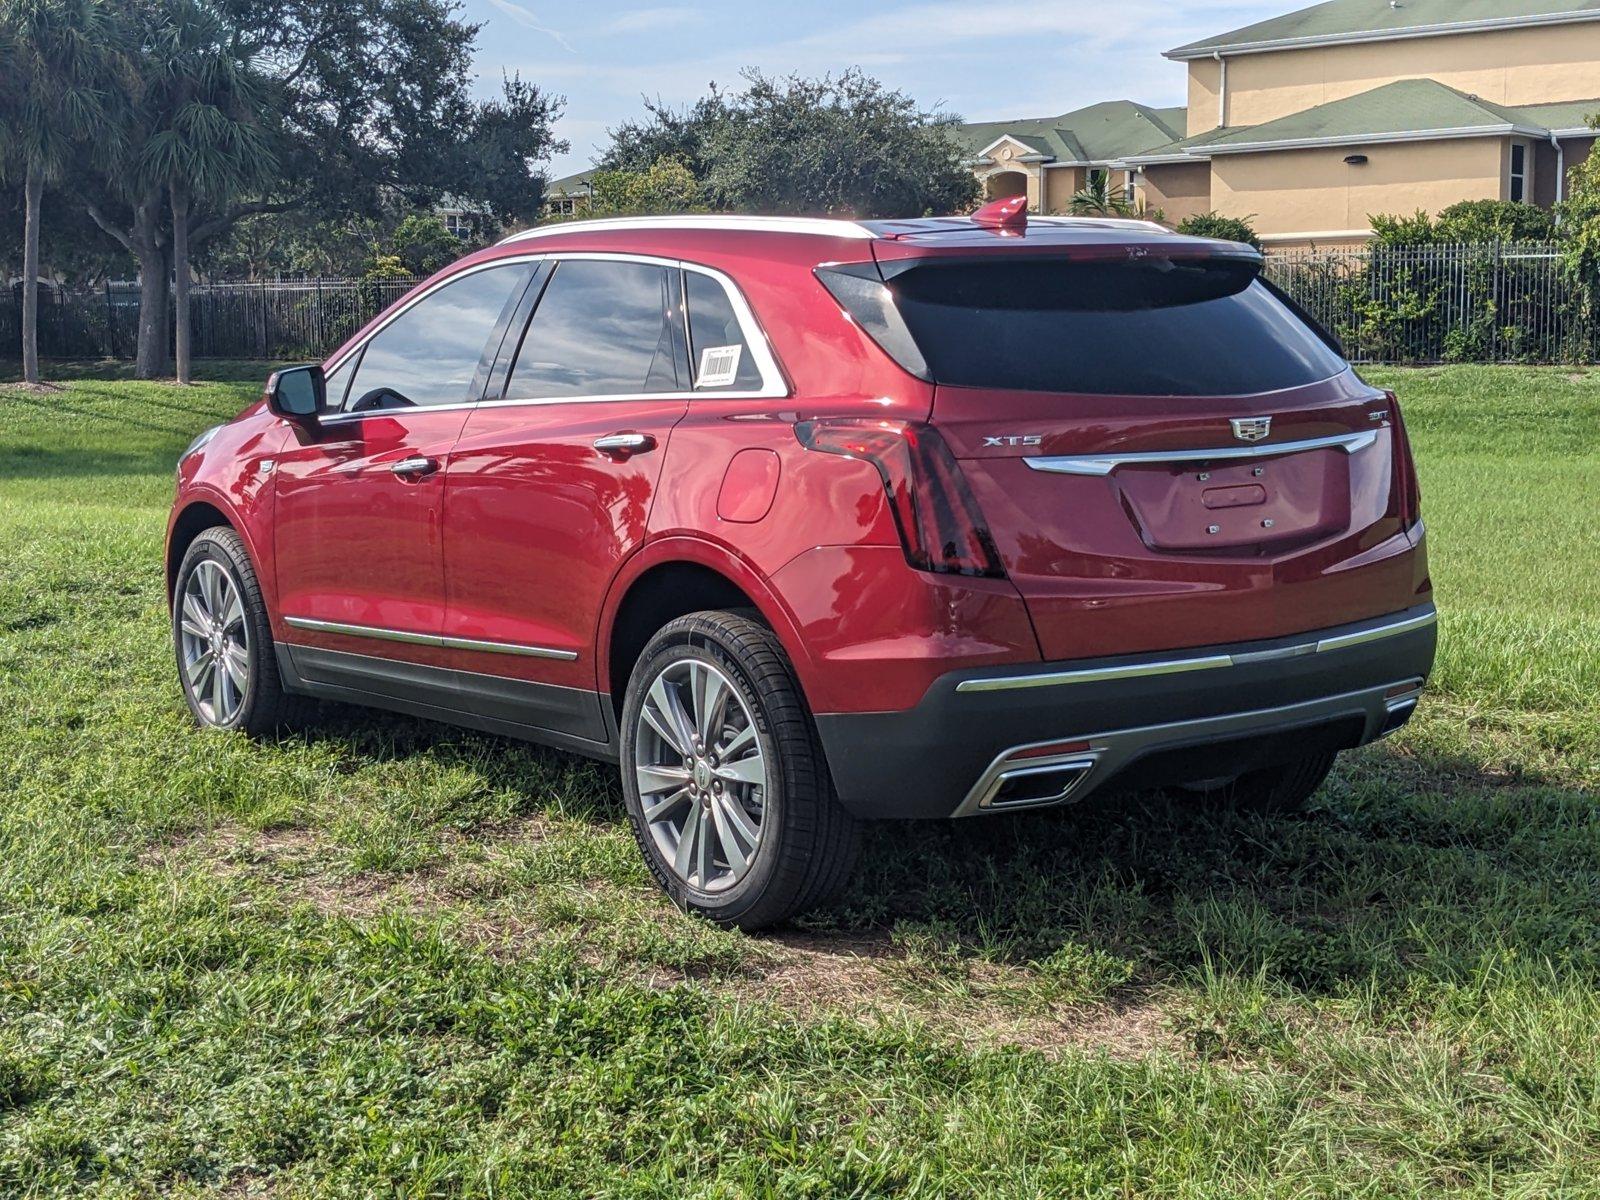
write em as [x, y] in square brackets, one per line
[835, 145]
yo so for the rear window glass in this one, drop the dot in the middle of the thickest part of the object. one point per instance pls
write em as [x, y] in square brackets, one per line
[1152, 327]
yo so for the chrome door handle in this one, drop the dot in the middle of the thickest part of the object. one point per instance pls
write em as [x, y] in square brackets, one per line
[623, 444]
[415, 466]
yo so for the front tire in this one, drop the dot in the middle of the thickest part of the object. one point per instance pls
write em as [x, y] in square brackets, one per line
[724, 777]
[227, 663]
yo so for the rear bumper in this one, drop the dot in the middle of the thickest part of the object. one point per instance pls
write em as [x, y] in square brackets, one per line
[1000, 738]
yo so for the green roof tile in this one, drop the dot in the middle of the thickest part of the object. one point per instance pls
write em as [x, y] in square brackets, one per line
[1100, 133]
[1409, 107]
[1350, 20]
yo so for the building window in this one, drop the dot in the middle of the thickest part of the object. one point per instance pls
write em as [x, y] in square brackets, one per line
[1129, 186]
[1519, 172]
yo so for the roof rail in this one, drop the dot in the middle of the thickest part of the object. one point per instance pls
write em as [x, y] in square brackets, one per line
[814, 226]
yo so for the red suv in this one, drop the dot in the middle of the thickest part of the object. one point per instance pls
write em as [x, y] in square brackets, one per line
[809, 521]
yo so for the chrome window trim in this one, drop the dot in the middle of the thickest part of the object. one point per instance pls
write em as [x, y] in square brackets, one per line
[774, 385]
[429, 639]
[1207, 662]
[1105, 464]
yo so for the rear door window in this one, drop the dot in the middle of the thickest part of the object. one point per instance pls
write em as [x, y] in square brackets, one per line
[434, 352]
[601, 329]
[1148, 327]
[718, 351]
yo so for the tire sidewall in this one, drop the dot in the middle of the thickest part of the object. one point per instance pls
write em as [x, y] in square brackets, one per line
[700, 644]
[210, 547]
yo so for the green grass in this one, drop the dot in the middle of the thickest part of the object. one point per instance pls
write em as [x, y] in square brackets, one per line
[387, 957]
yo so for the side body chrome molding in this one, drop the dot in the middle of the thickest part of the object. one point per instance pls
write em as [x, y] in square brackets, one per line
[1104, 464]
[429, 639]
[1208, 662]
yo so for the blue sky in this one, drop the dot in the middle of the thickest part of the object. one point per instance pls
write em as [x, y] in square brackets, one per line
[985, 61]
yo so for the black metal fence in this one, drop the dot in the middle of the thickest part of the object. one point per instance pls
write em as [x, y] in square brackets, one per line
[1490, 302]
[1415, 304]
[304, 319]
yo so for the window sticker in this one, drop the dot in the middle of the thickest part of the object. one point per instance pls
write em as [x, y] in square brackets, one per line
[719, 366]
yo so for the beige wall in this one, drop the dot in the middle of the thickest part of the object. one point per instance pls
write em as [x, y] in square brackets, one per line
[1509, 66]
[1179, 189]
[1205, 76]
[1316, 191]
[1060, 184]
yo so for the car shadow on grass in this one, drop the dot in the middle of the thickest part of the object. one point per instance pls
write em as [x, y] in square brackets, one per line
[1400, 868]
[1403, 866]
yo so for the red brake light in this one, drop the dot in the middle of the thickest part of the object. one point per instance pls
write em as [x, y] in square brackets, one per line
[941, 527]
[1407, 488]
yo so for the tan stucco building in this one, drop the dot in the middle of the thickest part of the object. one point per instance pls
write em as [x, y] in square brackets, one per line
[1311, 122]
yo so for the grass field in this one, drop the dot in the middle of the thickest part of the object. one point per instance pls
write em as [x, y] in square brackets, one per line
[392, 958]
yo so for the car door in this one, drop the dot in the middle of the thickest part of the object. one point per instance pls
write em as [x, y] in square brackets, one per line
[551, 484]
[359, 496]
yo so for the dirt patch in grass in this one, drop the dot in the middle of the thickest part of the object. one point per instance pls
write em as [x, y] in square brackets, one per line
[865, 977]
[812, 976]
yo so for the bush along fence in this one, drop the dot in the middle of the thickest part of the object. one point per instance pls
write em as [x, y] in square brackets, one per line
[305, 319]
[1489, 302]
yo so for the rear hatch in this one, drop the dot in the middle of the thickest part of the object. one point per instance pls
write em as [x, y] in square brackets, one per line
[1166, 454]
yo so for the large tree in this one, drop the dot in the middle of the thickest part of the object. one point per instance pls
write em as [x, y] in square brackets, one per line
[364, 104]
[843, 145]
[52, 93]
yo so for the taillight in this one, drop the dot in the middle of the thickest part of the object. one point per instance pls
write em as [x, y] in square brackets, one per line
[1407, 488]
[940, 524]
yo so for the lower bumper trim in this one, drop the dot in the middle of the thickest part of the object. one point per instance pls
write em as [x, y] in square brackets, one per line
[1207, 662]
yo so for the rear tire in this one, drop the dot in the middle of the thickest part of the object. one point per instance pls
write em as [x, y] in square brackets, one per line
[1286, 788]
[725, 780]
[222, 638]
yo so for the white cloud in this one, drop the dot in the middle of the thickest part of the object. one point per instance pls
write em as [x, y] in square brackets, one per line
[649, 20]
[530, 20]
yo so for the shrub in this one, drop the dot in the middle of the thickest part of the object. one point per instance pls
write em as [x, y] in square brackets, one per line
[1215, 225]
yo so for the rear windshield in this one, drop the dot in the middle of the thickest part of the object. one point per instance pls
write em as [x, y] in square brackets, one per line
[1149, 327]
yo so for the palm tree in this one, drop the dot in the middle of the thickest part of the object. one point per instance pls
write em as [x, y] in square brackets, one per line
[1098, 198]
[204, 145]
[50, 97]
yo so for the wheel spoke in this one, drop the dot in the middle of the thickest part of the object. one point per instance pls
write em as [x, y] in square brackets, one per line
[219, 696]
[199, 674]
[669, 721]
[703, 855]
[739, 819]
[190, 628]
[213, 590]
[686, 840]
[664, 808]
[740, 742]
[711, 697]
[233, 610]
[233, 658]
[661, 779]
[194, 607]
[746, 770]
[728, 835]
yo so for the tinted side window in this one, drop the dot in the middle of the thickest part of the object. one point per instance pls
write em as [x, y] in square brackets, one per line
[601, 329]
[717, 349]
[431, 353]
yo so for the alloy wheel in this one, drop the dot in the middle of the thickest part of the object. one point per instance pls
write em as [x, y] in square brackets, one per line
[215, 643]
[702, 775]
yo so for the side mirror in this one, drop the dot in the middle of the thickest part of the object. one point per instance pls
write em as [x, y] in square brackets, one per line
[297, 394]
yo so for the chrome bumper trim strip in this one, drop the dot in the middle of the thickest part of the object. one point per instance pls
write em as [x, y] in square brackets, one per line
[1208, 662]
[429, 639]
[1105, 464]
